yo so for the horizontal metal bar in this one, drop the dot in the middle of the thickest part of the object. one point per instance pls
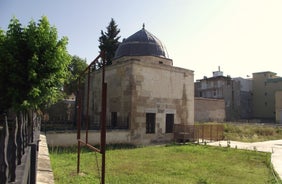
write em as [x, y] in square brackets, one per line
[89, 146]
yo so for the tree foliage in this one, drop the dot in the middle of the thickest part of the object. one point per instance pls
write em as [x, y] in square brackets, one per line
[109, 41]
[76, 67]
[33, 65]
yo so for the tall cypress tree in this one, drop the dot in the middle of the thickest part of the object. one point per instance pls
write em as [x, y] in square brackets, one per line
[109, 41]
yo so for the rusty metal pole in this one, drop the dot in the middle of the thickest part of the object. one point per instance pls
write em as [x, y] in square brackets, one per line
[78, 125]
[103, 121]
[87, 108]
[102, 150]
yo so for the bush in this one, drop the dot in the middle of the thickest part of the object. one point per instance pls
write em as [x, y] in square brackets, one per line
[265, 131]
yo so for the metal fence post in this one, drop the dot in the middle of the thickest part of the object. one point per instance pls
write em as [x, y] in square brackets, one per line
[4, 167]
[33, 156]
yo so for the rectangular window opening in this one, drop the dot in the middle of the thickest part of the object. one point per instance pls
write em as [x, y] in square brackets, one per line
[150, 123]
[114, 119]
[169, 122]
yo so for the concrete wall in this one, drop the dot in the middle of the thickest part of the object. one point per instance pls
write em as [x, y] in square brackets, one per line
[278, 107]
[70, 138]
[246, 105]
[44, 174]
[245, 84]
[207, 109]
[246, 98]
[221, 87]
[265, 84]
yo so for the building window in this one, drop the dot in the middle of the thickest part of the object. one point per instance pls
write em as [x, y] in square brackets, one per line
[169, 122]
[214, 93]
[150, 123]
[208, 94]
[114, 119]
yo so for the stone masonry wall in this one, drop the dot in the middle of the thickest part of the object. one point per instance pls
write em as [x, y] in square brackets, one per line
[207, 109]
[160, 89]
[140, 85]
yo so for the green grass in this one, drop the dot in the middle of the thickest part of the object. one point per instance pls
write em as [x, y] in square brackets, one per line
[177, 164]
[251, 133]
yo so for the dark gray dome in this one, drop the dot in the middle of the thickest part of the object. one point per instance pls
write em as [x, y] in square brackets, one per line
[141, 43]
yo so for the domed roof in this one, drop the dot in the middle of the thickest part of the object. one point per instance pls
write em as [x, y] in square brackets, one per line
[141, 43]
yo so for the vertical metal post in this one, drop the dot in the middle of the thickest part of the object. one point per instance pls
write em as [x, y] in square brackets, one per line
[78, 125]
[87, 108]
[33, 156]
[103, 122]
[31, 129]
[102, 150]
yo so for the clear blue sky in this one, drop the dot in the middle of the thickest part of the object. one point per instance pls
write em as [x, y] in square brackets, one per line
[240, 36]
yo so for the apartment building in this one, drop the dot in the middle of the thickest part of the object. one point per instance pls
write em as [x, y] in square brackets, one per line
[265, 85]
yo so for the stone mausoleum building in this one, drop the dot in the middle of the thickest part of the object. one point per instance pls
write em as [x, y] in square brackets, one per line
[146, 94]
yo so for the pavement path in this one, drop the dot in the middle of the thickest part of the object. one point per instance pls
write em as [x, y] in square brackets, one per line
[274, 147]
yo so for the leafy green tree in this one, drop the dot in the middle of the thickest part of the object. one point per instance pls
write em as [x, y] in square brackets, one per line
[34, 65]
[13, 56]
[4, 101]
[76, 67]
[109, 41]
[48, 64]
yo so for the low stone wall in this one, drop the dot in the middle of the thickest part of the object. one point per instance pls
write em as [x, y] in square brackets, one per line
[44, 173]
[44, 169]
[70, 138]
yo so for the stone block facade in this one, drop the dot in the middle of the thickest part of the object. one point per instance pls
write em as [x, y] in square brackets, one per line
[148, 94]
